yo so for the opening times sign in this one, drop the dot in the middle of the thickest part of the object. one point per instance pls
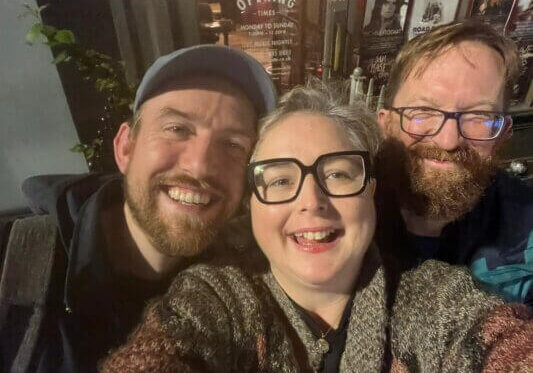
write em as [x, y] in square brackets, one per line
[269, 31]
[243, 4]
[280, 48]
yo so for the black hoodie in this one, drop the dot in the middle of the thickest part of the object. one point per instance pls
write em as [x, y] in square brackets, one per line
[91, 310]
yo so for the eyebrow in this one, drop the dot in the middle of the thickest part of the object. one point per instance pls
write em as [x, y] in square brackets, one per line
[239, 132]
[490, 103]
[171, 112]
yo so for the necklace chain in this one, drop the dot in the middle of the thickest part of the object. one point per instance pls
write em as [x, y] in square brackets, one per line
[322, 343]
[323, 335]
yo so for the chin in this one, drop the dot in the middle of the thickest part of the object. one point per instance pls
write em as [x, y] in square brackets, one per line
[317, 276]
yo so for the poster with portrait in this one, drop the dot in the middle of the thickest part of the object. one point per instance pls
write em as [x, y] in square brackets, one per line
[519, 27]
[382, 37]
[427, 14]
[383, 18]
[495, 12]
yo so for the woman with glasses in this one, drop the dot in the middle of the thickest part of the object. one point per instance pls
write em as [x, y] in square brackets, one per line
[323, 302]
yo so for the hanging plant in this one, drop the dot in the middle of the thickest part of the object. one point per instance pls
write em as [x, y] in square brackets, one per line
[100, 70]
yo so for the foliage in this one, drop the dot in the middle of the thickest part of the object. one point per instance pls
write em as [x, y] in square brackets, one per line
[88, 150]
[98, 69]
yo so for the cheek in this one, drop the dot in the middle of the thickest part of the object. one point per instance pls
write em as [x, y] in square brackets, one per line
[404, 138]
[152, 158]
[267, 225]
[359, 218]
[483, 148]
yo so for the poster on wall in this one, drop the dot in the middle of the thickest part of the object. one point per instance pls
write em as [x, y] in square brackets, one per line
[382, 37]
[382, 18]
[427, 14]
[495, 12]
[519, 27]
[269, 31]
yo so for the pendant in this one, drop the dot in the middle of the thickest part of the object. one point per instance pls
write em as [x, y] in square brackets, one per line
[322, 345]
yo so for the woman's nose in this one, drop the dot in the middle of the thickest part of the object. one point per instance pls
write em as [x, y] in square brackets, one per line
[311, 197]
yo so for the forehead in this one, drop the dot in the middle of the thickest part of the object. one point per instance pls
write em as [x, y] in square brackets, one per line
[201, 97]
[466, 75]
[204, 82]
[304, 136]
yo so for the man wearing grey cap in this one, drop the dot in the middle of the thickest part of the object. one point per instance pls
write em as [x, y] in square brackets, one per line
[120, 239]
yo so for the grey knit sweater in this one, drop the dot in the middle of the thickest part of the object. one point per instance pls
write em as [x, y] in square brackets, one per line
[221, 318]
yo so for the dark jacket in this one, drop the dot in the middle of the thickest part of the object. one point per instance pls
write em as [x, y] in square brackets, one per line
[495, 239]
[90, 309]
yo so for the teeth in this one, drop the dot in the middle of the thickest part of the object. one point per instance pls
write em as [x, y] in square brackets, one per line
[316, 236]
[188, 197]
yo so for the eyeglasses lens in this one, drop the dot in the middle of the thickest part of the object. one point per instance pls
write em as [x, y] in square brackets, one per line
[342, 175]
[481, 126]
[422, 121]
[277, 181]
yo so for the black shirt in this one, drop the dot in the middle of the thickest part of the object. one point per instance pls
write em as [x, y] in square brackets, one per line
[91, 309]
[336, 338]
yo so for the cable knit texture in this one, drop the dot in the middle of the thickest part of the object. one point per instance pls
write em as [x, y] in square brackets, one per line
[220, 318]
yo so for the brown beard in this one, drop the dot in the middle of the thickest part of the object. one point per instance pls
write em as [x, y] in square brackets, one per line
[439, 194]
[187, 236]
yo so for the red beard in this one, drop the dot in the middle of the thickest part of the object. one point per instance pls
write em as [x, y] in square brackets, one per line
[443, 194]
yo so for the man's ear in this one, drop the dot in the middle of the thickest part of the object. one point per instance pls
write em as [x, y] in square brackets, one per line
[384, 120]
[123, 145]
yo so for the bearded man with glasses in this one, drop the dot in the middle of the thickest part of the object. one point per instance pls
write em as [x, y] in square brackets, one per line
[441, 194]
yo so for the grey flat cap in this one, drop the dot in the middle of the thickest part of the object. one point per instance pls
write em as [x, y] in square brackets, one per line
[236, 66]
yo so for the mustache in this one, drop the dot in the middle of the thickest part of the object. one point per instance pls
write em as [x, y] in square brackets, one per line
[462, 156]
[185, 180]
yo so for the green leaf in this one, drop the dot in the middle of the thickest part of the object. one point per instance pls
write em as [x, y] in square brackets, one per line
[36, 34]
[78, 148]
[89, 153]
[65, 37]
[63, 56]
[106, 66]
[99, 84]
[49, 31]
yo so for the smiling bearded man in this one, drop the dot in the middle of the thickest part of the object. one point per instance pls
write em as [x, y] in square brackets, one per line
[183, 163]
[116, 241]
[440, 194]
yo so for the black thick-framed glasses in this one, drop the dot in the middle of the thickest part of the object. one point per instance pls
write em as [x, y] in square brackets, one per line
[339, 174]
[472, 125]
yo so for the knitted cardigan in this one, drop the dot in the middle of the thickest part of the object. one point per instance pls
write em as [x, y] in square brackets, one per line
[219, 318]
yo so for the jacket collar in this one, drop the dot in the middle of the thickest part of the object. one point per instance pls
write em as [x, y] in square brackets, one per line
[366, 341]
[89, 274]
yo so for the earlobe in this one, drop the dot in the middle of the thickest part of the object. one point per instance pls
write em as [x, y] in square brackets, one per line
[123, 144]
[384, 120]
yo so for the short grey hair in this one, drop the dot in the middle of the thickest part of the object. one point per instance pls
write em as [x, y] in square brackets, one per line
[332, 101]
